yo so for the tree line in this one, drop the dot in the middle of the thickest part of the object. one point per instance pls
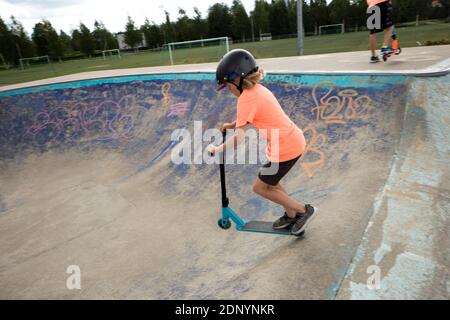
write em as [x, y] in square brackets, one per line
[277, 17]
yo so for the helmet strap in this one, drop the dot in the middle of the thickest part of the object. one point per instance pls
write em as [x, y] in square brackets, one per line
[239, 86]
[241, 82]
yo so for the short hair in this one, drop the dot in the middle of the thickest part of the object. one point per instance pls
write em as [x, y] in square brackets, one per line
[253, 78]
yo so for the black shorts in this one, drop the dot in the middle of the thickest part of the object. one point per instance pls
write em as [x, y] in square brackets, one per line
[386, 16]
[283, 168]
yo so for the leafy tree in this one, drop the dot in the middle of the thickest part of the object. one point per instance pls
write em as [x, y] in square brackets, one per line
[319, 13]
[260, 15]
[133, 36]
[358, 13]
[292, 17]
[76, 40]
[86, 41]
[421, 9]
[278, 18]
[440, 9]
[168, 30]
[46, 40]
[40, 39]
[240, 24]
[407, 10]
[6, 45]
[153, 34]
[66, 41]
[200, 26]
[339, 10]
[23, 43]
[104, 40]
[184, 27]
[219, 21]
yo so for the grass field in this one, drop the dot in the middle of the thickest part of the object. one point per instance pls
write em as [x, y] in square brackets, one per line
[355, 41]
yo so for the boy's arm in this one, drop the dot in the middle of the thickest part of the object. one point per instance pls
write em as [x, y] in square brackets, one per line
[234, 140]
[231, 125]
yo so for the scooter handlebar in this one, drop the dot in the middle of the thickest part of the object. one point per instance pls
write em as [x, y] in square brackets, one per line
[224, 134]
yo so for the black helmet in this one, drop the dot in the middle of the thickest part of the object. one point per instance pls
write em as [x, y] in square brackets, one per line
[236, 63]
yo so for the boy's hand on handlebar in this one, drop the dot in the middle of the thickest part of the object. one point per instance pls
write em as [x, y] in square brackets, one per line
[228, 125]
[212, 149]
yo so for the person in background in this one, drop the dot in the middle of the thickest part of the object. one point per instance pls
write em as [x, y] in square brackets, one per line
[387, 24]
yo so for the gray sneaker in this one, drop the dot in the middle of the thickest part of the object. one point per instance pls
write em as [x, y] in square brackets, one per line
[284, 222]
[304, 219]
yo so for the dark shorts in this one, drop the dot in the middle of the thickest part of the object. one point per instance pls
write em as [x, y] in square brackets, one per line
[283, 168]
[386, 16]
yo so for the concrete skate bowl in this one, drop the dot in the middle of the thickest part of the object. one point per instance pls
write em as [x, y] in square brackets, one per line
[87, 180]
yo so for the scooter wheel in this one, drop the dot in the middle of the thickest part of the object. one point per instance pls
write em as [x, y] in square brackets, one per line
[224, 224]
[385, 57]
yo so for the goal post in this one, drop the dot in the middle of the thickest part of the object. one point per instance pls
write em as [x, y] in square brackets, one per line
[265, 36]
[110, 53]
[5, 64]
[201, 44]
[337, 26]
[38, 59]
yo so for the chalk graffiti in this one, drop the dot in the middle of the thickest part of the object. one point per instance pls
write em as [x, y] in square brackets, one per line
[313, 145]
[178, 109]
[346, 105]
[165, 90]
[81, 122]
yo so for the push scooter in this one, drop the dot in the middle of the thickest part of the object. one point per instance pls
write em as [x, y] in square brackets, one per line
[241, 225]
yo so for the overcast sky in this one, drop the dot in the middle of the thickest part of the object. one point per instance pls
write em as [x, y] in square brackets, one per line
[67, 14]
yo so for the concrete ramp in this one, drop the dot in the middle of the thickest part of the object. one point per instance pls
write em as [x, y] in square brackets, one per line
[87, 180]
[407, 237]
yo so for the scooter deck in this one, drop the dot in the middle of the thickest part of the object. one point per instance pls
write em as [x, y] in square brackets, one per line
[265, 227]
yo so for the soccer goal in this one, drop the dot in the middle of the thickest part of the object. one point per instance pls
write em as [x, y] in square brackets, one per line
[265, 37]
[27, 62]
[110, 53]
[331, 29]
[196, 51]
[5, 64]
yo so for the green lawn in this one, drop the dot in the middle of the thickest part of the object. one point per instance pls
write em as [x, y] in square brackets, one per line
[408, 37]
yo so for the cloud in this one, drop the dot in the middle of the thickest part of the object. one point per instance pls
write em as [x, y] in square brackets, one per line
[67, 14]
[48, 4]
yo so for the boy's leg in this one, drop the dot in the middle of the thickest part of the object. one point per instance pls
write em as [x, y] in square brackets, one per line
[373, 43]
[278, 195]
[387, 21]
[387, 36]
[373, 35]
[290, 212]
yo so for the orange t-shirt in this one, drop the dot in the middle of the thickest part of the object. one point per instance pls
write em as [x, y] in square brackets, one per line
[259, 107]
[372, 3]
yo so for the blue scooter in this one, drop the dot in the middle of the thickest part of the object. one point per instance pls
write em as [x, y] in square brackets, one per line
[241, 225]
